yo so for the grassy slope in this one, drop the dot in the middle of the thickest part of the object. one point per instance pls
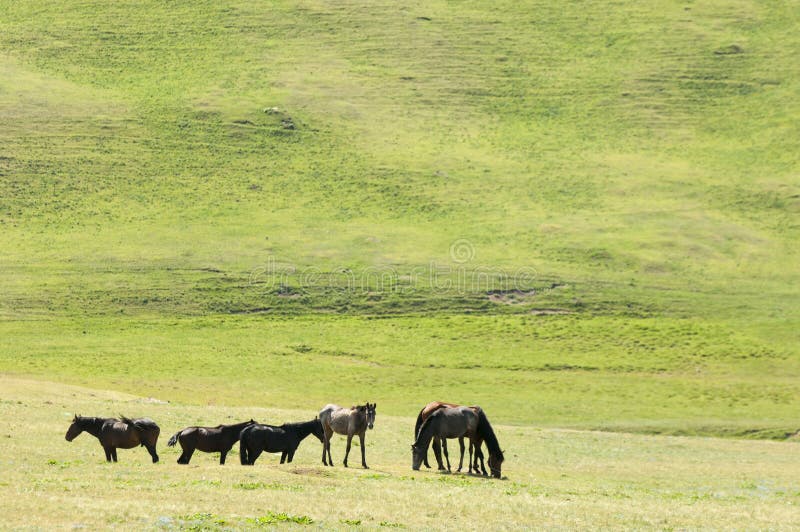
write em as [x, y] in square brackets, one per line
[556, 478]
[641, 160]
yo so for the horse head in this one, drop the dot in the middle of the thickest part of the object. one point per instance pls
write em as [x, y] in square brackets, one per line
[416, 457]
[75, 429]
[371, 414]
[496, 463]
[318, 431]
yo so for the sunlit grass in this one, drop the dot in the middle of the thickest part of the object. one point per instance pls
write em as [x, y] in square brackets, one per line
[553, 478]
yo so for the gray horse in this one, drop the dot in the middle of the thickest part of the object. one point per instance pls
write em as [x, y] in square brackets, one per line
[459, 422]
[453, 422]
[346, 421]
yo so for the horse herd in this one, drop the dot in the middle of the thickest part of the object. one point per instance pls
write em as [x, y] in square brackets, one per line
[436, 423]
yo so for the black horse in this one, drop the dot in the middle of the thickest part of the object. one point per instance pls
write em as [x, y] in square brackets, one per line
[115, 433]
[285, 439]
[207, 439]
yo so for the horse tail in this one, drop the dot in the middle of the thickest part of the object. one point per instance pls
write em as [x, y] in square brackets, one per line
[174, 439]
[418, 424]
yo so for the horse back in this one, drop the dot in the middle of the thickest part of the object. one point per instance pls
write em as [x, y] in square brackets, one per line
[129, 433]
[116, 433]
[433, 406]
[454, 422]
[327, 412]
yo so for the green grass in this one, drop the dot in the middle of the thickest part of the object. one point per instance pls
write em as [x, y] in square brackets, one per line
[555, 478]
[579, 215]
[654, 375]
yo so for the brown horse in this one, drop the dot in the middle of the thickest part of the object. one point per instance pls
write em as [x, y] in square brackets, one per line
[217, 439]
[115, 433]
[347, 421]
[440, 445]
[459, 422]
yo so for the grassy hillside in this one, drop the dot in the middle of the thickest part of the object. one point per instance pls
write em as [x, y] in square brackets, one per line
[580, 214]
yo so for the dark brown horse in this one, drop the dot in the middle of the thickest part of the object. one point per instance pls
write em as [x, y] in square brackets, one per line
[116, 434]
[440, 445]
[459, 422]
[217, 439]
[285, 439]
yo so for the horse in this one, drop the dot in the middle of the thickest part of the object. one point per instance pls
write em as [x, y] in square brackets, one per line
[459, 422]
[441, 444]
[115, 433]
[346, 421]
[285, 439]
[207, 439]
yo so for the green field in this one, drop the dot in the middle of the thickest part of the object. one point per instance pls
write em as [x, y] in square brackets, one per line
[556, 478]
[582, 216]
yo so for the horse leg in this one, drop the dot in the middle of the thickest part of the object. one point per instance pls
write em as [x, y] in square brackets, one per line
[186, 455]
[446, 453]
[471, 445]
[326, 446]
[152, 450]
[222, 454]
[283, 456]
[461, 459]
[108, 453]
[363, 450]
[437, 453]
[479, 457]
[425, 456]
[291, 455]
[254, 454]
[347, 452]
[114, 454]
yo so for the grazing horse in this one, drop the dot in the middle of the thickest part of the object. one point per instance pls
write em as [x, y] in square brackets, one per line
[459, 422]
[207, 439]
[347, 421]
[441, 444]
[115, 433]
[285, 439]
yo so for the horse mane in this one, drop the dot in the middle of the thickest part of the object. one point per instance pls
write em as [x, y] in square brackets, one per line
[486, 432]
[139, 424]
[299, 424]
[418, 424]
[422, 428]
[243, 424]
[88, 420]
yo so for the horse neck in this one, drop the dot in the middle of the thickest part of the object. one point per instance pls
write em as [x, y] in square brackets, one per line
[425, 434]
[302, 429]
[232, 432]
[92, 425]
[486, 432]
[360, 420]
